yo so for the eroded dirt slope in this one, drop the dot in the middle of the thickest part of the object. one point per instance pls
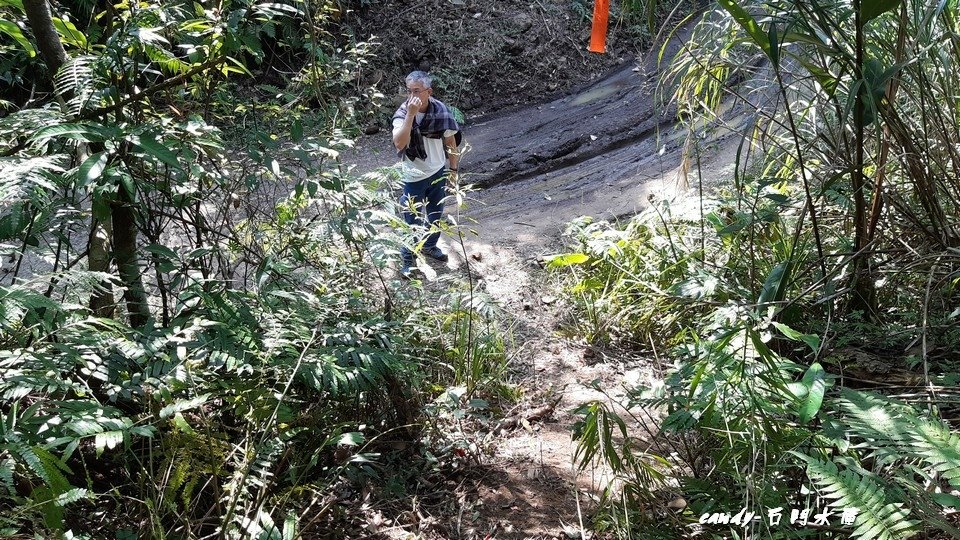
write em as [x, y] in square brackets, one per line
[489, 56]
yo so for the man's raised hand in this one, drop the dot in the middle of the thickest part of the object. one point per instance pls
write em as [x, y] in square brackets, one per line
[413, 105]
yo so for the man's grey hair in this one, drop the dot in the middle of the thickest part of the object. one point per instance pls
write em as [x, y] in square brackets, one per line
[421, 77]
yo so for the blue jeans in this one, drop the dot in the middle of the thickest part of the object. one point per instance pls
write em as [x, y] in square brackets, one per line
[420, 199]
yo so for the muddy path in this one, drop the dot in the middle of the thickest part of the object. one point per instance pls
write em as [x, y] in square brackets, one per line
[602, 151]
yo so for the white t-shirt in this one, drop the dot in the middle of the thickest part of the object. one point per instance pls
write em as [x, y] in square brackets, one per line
[418, 169]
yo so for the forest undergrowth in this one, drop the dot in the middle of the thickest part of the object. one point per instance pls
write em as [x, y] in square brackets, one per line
[809, 307]
[201, 334]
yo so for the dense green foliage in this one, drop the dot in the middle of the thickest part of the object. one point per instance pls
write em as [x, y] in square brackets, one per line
[261, 354]
[199, 335]
[778, 297]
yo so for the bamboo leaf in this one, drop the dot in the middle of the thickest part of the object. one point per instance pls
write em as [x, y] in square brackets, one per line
[290, 526]
[814, 380]
[812, 340]
[92, 168]
[353, 438]
[85, 132]
[823, 76]
[149, 35]
[774, 287]
[774, 45]
[749, 24]
[69, 33]
[276, 9]
[162, 251]
[126, 182]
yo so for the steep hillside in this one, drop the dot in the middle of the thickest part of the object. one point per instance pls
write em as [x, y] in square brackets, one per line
[489, 56]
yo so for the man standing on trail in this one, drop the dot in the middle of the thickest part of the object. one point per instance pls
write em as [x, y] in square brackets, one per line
[424, 131]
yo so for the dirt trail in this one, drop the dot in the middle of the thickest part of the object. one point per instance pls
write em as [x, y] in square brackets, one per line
[599, 152]
[534, 491]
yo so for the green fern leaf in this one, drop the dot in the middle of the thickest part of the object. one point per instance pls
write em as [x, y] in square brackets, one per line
[897, 432]
[20, 176]
[54, 468]
[178, 469]
[6, 475]
[939, 448]
[78, 80]
[884, 424]
[877, 518]
[16, 446]
[72, 496]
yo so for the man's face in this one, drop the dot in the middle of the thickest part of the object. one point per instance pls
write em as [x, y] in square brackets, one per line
[416, 90]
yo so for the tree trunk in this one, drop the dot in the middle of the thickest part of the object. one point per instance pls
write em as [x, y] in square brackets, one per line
[122, 222]
[98, 260]
[48, 41]
[128, 264]
[863, 295]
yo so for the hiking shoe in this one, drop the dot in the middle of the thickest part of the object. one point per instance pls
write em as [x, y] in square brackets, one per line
[406, 272]
[436, 253]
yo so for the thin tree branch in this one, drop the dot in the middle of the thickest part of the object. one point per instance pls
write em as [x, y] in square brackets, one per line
[152, 90]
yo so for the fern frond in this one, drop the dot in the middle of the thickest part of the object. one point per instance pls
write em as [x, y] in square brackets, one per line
[78, 81]
[16, 298]
[877, 517]
[41, 462]
[883, 423]
[76, 285]
[27, 371]
[18, 176]
[72, 496]
[939, 448]
[166, 60]
[7, 466]
[28, 121]
[261, 470]
[179, 467]
[16, 446]
[896, 431]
